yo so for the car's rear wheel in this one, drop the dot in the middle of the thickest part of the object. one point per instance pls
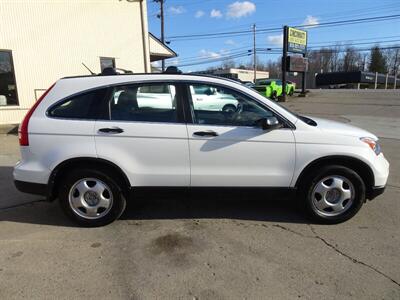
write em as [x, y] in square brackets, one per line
[334, 194]
[291, 92]
[91, 198]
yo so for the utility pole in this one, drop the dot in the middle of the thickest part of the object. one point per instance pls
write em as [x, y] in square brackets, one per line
[284, 56]
[161, 17]
[254, 53]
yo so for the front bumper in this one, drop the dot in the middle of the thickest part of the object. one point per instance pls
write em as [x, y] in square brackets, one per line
[375, 192]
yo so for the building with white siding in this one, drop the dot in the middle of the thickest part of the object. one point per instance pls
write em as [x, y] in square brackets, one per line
[44, 40]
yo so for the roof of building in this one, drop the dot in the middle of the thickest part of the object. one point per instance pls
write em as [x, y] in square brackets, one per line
[158, 50]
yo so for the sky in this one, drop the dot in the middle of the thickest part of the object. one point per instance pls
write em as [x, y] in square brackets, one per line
[188, 17]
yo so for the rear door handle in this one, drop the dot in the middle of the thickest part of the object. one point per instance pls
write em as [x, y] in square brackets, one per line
[206, 133]
[111, 130]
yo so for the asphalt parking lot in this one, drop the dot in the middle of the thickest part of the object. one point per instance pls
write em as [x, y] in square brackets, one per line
[183, 246]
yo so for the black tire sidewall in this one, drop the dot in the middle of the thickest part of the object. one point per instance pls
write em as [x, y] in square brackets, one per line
[118, 205]
[226, 106]
[358, 201]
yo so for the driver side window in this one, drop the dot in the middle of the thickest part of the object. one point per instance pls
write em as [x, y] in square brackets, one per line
[214, 105]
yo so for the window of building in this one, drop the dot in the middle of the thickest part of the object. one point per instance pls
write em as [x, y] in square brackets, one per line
[8, 86]
[147, 103]
[107, 62]
[84, 106]
[214, 105]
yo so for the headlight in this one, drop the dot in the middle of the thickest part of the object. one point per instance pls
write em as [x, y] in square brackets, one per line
[374, 145]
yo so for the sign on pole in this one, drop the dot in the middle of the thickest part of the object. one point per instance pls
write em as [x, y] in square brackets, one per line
[297, 40]
[294, 40]
[296, 64]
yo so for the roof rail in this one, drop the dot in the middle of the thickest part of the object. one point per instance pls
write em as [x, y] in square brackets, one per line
[114, 71]
[172, 70]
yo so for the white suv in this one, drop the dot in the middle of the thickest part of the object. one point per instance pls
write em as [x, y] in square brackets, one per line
[90, 141]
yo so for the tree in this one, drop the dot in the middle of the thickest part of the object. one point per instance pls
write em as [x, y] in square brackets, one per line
[228, 64]
[393, 60]
[335, 60]
[351, 60]
[274, 68]
[377, 61]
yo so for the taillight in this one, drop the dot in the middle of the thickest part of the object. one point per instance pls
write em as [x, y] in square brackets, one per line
[23, 128]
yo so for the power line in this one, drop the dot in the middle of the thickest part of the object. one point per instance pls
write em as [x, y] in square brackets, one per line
[230, 51]
[244, 54]
[278, 50]
[337, 44]
[214, 60]
[276, 29]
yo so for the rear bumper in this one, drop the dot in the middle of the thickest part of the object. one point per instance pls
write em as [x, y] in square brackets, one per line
[375, 192]
[31, 188]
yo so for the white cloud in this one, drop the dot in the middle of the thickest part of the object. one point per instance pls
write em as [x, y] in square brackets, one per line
[199, 14]
[215, 13]
[224, 52]
[173, 62]
[310, 20]
[213, 54]
[230, 42]
[276, 40]
[176, 10]
[240, 9]
[209, 54]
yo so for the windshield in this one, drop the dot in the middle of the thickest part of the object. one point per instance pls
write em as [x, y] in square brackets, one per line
[287, 109]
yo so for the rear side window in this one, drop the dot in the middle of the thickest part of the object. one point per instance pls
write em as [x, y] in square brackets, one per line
[84, 106]
[155, 102]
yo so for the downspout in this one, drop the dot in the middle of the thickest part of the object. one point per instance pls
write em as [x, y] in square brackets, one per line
[145, 36]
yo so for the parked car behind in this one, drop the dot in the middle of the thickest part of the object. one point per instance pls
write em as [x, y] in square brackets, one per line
[272, 88]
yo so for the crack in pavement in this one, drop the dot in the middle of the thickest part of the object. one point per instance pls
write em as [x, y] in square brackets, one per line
[354, 260]
[292, 231]
[334, 248]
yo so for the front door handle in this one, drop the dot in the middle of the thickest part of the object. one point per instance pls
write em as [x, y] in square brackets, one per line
[206, 133]
[111, 130]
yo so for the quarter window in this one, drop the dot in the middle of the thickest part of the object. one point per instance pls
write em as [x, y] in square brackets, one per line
[214, 105]
[144, 103]
[84, 106]
[8, 87]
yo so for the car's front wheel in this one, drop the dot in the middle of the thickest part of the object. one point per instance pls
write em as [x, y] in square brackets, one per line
[334, 194]
[229, 108]
[91, 198]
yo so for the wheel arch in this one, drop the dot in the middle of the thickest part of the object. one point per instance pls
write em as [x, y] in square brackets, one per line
[359, 166]
[107, 166]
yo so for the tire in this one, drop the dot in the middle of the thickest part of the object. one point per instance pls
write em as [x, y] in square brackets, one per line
[229, 108]
[273, 95]
[291, 92]
[91, 198]
[333, 194]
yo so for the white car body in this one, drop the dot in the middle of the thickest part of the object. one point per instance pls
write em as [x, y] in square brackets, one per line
[152, 154]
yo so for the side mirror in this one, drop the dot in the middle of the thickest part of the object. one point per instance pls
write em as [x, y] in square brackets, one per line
[269, 123]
